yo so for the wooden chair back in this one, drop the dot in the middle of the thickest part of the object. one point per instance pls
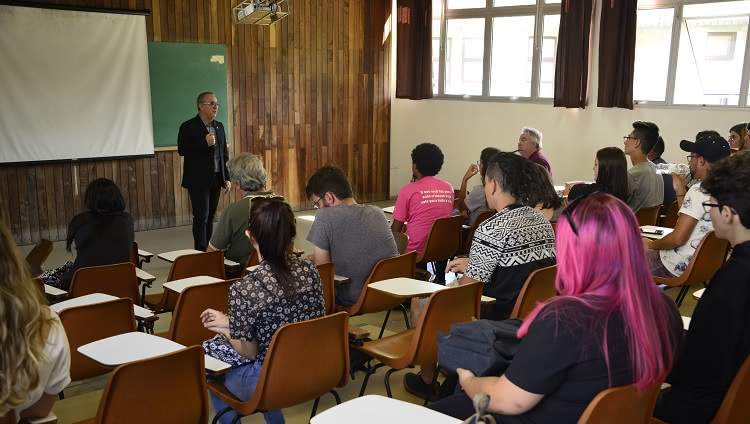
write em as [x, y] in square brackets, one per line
[539, 286]
[252, 260]
[709, 256]
[135, 259]
[372, 301]
[117, 280]
[402, 240]
[734, 407]
[9, 418]
[186, 328]
[39, 283]
[89, 323]
[135, 392]
[204, 263]
[464, 250]
[285, 380]
[327, 272]
[35, 259]
[443, 240]
[648, 216]
[443, 309]
[670, 220]
[621, 404]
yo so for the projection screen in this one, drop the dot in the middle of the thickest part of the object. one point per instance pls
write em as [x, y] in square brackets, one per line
[74, 85]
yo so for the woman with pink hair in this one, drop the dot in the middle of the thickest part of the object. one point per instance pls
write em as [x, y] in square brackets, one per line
[610, 325]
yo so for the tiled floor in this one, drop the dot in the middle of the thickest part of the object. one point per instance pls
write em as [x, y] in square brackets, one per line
[82, 398]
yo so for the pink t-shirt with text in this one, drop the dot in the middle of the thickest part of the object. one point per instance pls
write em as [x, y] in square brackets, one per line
[419, 204]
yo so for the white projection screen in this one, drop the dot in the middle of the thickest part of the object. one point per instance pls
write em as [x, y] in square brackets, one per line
[75, 85]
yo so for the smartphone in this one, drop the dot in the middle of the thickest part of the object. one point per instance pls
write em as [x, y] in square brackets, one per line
[656, 231]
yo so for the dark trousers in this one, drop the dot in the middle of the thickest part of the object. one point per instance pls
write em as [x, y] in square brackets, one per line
[439, 270]
[457, 406]
[204, 202]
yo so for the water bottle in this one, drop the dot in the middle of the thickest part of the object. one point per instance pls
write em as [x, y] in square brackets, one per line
[672, 168]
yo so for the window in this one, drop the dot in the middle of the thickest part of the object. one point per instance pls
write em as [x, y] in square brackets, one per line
[496, 48]
[690, 53]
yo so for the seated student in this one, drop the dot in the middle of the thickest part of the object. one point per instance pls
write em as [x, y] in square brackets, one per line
[610, 174]
[737, 135]
[104, 233]
[610, 326]
[423, 201]
[646, 186]
[669, 256]
[507, 247]
[283, 289]
[530, 147]
[718, 341]
[669, 195]
[247, 172]
[35, 364]
[352, 236]
[474, 203]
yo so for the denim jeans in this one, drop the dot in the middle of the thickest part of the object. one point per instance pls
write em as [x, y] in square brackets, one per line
[241, 383]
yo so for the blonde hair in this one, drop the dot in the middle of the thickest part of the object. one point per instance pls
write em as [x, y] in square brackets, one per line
[26, 321]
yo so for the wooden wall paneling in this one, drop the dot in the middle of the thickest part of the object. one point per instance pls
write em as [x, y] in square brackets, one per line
[24, 227]
[59, 200]
[153, 186]
[48, 181]
[14, 212]
[33, 205]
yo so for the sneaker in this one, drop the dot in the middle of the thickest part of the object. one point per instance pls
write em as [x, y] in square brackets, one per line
[413, 384]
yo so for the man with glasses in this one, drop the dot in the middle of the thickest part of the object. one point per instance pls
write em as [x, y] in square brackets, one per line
[530, 146]
[646, 187]
[670, 256]
[352, 236]
[203, 144]
[718, 341]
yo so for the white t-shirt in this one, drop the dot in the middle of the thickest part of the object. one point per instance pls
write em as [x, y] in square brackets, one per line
[677, 260]
[54, 372]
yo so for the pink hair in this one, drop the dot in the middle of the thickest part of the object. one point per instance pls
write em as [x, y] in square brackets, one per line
[604, 268]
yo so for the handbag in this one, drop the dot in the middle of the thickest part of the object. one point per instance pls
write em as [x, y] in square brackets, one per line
[484, 347]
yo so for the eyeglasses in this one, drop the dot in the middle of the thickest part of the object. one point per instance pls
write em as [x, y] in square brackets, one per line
[707, 206]
[733, 137]
[568, 211]
[691, 157]
[315, 203]
[212, 104]
[266, 198]
[627, 137]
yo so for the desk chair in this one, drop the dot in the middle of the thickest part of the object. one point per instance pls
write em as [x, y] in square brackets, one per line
[670, 219]
[402, 240]
[252, 260]
[89, 323]
[709, 256]
[621, 404]
[9, 418]
[539, 286]
[443, 240]
[39, 283]
[464, 250]
[285, 380]
[371, 301]
[186, 327]
[648, 216]
[327, 273]
[117, 280]
[419, 345]
[205, 263]
[735, 407]
[38, 255]
[166, 389]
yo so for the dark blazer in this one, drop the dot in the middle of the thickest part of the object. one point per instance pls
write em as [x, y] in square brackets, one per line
[199, 156]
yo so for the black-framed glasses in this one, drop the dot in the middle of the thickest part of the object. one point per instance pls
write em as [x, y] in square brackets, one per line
[212, 104]
[691, 157]
[707, 206]
[629, 137]
[568, 211]
[315, 203]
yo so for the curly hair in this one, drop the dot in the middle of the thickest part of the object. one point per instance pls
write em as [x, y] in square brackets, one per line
[428, 159]
[728, 181]
[26, 322]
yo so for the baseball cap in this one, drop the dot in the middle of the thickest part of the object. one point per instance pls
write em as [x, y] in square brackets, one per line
[710, 147]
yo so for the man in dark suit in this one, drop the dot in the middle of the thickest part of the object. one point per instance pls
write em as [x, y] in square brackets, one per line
[203, 143]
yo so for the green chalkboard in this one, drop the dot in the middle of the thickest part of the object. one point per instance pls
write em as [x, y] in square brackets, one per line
[179, 72]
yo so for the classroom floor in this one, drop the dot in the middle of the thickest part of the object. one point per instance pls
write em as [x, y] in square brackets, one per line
[82, 397]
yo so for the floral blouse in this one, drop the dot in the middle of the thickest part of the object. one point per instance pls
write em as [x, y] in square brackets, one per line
[258, 306]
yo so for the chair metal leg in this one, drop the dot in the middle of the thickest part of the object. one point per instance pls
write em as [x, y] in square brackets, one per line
[237, 419]
[406, 317]
[61, 395]
[681, 296]
[385, 321]
[370, 371]
[219, 414]
[336, 396]
[388, 382]
[315, 407]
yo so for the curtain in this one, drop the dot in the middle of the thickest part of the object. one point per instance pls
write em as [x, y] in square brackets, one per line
[617, 53]
[572, 65]
[414, 49]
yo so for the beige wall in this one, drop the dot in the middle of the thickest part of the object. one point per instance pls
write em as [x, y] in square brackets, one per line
[571, 136]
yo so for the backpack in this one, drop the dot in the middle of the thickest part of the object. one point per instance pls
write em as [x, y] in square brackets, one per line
[484, 347]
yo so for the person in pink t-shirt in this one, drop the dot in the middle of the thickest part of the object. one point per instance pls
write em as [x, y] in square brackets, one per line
[424, 200]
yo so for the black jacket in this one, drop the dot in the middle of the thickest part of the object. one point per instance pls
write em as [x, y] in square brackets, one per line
[199, 156]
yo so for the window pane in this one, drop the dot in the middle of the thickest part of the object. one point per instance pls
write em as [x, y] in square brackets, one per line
[500, 3]
[552, 1]
[437, 10]
[464, 52]
[435, 54]
[512, 55]
[711, 53]
[652, 42]
[549, 55]
[466, 4]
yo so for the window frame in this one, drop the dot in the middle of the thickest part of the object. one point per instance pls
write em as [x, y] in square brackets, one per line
[538, 10]
[677, 24]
